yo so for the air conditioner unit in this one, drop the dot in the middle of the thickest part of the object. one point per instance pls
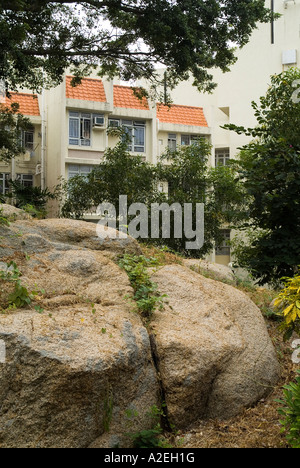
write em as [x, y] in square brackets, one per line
[114, 123]
[98, 122]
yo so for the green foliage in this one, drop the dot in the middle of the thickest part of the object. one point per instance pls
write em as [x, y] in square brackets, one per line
[269, 168]
[20, 296]
[146, 296]
[33, 200]
[291, 412]
[151, 438]
[79, 197]
[189, 178]
[11, 125]
[148, 438]
[288, 302]
[119, 174]
[3, 219]
[11, 274]
[188, 37]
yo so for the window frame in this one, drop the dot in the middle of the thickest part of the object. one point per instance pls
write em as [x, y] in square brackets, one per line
[4, 180]
[113, 123]
[81, 118]
[29, 145]
[22, 179]
[224, 249]
[80, 171]
[222, 157]
[131, 127]
[191, 139]
[172, 138]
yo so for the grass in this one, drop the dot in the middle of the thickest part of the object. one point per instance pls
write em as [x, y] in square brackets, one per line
[163, 256]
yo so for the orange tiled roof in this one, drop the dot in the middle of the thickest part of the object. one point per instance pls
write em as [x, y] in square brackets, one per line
[90, 89]
[184, 115]
[124, 97]
[28, 103]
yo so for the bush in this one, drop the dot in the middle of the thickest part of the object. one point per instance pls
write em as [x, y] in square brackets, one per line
[291, 412]
[18, 296]
[289, 303]
[269, 169]
[189, 179]
[33, 200]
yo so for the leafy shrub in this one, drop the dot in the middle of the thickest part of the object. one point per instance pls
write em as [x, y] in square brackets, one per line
[289, 301]
[188, 177]
[33, 199]
[120, 173]
[269, 169]
[291, 412]
[19, 297]
[149, 438]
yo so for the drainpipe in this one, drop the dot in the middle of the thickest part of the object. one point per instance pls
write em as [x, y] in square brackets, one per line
[13, 169]
[43, 143]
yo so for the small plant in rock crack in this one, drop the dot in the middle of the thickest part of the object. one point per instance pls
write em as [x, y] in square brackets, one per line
[146, 295]
[149, 438]
[3, 219]
[20, 296]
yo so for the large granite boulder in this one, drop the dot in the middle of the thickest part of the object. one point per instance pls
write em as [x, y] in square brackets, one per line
[211, 270]
[215, 354]
[78, 364]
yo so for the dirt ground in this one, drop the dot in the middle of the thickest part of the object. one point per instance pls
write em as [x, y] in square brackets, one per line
[256, 427]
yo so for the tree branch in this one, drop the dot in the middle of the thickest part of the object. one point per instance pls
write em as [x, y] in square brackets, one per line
[100, 4]
[84, 53]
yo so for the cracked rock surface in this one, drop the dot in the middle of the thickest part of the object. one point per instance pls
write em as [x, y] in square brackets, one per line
[77, 370]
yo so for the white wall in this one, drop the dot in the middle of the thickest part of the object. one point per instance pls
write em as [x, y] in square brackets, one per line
[248, 79]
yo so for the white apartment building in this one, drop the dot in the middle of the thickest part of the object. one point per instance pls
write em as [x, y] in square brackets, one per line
[69, 137]
[26, 168]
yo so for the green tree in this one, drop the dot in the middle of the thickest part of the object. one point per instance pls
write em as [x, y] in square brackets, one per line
[189, 178]
[40, 39]
[33, 199]
[269, 167]
[120, 173]
[12, 123]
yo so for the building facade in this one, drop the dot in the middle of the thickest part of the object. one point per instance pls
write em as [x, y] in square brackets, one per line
[26, 168]
[68, 135]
